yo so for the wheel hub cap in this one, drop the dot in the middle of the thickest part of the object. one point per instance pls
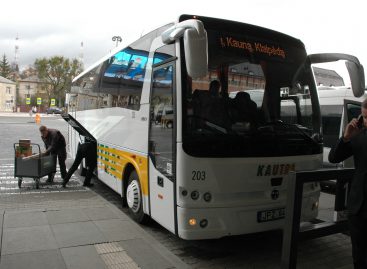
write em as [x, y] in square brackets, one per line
[133, 196]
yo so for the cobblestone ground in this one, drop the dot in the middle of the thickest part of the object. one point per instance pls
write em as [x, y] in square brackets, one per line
[256, 251]
[9, 183]
[11, 196]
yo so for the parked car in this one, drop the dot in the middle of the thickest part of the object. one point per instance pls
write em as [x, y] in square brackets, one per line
[54, 110]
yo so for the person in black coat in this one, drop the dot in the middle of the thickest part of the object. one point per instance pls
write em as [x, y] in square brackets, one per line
[354, 143]
[87, 150]
[55, 144]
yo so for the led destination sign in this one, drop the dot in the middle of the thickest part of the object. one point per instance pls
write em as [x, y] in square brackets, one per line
[252, 47]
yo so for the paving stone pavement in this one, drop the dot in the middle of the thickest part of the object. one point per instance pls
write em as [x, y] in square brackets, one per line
[77, 227]
[58, 228]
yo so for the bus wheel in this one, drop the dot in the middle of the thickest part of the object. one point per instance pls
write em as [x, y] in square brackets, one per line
[134, 199]
[123, 202]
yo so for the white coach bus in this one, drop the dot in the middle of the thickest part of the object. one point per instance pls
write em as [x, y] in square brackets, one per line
[216, 163]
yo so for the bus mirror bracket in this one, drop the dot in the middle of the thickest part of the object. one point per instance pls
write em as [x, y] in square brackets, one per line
[195, 43]
[355, 69]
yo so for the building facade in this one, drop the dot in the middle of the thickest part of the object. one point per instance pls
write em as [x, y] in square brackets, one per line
[326, 77]
[32, 88]
[7, 95]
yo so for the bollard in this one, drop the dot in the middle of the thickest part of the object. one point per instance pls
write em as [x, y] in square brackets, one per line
[38, 118]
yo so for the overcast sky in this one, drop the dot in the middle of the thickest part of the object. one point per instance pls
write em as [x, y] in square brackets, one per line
[49, 28]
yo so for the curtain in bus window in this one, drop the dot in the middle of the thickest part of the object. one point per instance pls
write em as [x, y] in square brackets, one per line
[162, 121]
[122, 81]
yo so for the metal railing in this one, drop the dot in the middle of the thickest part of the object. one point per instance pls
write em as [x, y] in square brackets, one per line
[292, 232]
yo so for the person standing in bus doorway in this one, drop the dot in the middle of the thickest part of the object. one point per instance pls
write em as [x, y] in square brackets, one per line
[55, 144]
[354, 143]
[87, 151]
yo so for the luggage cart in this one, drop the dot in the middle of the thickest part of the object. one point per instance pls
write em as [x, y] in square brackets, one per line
[36, 167]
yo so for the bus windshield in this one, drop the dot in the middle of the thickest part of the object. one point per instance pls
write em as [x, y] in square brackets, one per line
[258, 99]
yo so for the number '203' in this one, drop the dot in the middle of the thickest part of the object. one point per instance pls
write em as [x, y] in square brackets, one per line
[198, 175]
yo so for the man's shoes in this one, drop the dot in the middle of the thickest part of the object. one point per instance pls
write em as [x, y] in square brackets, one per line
[88, 185]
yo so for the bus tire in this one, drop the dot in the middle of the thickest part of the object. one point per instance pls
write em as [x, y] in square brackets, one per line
[123, 202]
[135, 199]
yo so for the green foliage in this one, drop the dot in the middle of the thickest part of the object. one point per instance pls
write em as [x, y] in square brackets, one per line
[5, 69]
[57, 72]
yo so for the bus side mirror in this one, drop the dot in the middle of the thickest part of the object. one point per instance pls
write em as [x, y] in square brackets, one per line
[195, 43]
[355, 69]
[356, 74]
[196, 53]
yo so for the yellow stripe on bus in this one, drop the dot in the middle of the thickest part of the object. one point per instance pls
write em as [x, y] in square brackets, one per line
[119, 161]
[116, 174]
[115, 160]
[114, 166]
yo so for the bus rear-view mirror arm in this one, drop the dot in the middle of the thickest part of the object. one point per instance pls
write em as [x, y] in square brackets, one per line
[195, 45]
[355, 69]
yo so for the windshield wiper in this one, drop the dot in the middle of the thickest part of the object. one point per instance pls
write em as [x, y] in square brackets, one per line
[295, 127]
[212, 125]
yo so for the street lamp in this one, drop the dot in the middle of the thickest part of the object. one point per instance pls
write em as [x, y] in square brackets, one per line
[117, 39]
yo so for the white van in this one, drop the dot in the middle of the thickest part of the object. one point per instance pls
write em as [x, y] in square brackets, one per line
[351, 109]
[332, 100]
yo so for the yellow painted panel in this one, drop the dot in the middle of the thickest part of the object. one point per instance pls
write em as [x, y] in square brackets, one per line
[116, 164]
[140, 162]
[113, 159]
[111, 165]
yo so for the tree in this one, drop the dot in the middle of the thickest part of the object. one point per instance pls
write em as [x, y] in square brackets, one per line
[28, 72]
[5, 69]
[57, 73]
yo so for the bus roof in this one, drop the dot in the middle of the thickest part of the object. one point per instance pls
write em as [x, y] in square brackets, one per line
[218, 23]
[255, 30]
[113, 52]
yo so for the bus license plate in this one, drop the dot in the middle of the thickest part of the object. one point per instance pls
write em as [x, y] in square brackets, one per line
[271, 214]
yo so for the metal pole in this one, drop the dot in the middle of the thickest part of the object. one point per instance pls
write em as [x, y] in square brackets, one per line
[292, 222]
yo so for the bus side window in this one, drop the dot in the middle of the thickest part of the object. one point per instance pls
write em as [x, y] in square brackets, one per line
[162, 120]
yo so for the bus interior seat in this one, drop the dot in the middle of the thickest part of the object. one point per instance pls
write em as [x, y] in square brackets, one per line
[244, 109]
[198, 100]
[210, 108]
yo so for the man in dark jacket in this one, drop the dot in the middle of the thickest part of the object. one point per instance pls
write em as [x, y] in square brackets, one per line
[55, 144]
[354, 143]
[87, 150]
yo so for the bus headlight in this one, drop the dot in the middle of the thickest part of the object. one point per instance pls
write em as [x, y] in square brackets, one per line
[203, 223]
[192, 222]
[184, 192]
[207, 197]
[194, 195]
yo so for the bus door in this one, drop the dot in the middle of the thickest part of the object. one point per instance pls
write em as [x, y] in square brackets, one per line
[162, 146]
[83, 135]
